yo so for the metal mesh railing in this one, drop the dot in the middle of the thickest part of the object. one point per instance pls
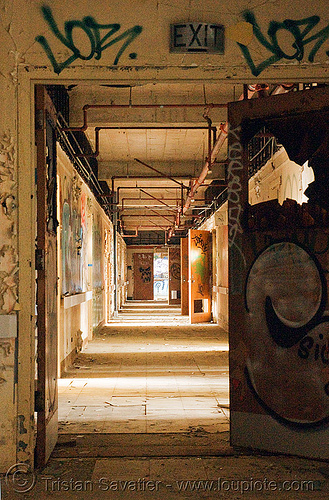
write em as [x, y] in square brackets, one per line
[261, 148]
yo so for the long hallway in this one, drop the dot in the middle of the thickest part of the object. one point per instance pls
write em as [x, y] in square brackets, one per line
[144, 414]
[148, 371]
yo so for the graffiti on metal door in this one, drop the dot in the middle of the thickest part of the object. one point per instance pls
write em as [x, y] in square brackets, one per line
[288, 334]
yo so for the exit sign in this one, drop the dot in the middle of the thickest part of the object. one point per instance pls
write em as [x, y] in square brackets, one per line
[197, 37]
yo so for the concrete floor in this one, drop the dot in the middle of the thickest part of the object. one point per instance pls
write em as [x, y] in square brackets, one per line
[161, 376]
[149, 420]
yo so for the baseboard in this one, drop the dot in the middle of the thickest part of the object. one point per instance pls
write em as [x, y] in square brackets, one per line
[68, 361]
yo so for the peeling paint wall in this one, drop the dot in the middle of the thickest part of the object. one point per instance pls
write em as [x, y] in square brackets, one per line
[8, 403]
[8, 223]
[8, 255]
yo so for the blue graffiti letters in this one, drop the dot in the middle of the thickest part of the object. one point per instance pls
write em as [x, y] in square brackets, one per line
[91, 31]
[299, 30]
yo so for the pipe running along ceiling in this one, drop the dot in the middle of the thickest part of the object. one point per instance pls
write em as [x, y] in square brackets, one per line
[161, 149]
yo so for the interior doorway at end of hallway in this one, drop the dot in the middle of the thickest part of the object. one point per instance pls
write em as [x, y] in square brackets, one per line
[161, 276]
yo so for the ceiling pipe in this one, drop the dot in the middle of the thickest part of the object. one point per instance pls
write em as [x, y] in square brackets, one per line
[149, 207]
[159, 215]
[283, 88]
[143, 199]
[139, 216]
[148, 177]
[155, 198]
[249, 91]
[147, 228]
[140, 189]
[86, 107]
[130, 235]
[155, 127]
[96, 153]
[208, 164]
[160, 207]
[149, 218]
[207, 118]
[162, 174]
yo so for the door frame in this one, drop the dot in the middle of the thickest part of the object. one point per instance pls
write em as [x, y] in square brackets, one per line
[47, 289]
[202, 246]
[23, 97]
[174, 275]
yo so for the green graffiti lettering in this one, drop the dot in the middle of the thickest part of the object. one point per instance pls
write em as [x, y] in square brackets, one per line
[299, 29]
[92, 30]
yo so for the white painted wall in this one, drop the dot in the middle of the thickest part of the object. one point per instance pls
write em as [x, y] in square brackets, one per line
[77, 315]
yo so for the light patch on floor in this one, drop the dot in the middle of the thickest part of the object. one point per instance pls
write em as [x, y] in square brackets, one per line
[146, 379]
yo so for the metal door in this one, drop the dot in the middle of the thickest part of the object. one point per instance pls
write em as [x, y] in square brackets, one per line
[278, 297]
[174, 275]
[46, 267]
[200, 276]
[143, 276]
[184, 276]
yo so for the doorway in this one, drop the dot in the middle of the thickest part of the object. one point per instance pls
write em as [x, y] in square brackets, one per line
[131, 369]
[145, 370]
[161, 276]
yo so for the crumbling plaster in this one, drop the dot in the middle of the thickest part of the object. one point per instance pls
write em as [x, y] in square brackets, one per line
[8, 223]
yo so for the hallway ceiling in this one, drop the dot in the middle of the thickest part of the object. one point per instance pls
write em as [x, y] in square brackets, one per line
[143, 133]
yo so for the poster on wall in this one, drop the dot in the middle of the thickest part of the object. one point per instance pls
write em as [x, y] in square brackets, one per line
[72, 244]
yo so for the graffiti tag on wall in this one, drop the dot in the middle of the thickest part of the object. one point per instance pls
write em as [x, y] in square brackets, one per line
[99, 38]
[301, 32]
[287, 366]
[175, 270]
[234, 170]
[146, 274]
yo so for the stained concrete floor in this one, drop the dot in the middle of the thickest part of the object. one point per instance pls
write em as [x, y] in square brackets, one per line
[149, 420]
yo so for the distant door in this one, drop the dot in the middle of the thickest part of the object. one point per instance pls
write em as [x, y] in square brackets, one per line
[200, 276]
[161, 276]
[143, 276]
[46, 267]
[174, 275]
[184, 276]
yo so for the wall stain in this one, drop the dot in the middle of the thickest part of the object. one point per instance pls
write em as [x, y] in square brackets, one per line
[22, 446]
[21, 428]
[7, 348]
